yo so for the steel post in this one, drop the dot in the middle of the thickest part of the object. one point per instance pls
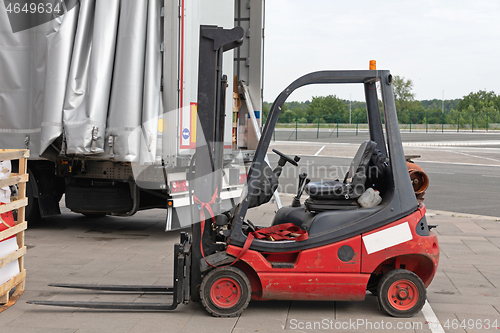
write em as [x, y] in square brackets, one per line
[337, 125]
[357, 124]
[410, 121]
[317, 133]
[295, 128]
[426, 121]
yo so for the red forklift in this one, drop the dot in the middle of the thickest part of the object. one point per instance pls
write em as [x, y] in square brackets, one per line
[327, 248]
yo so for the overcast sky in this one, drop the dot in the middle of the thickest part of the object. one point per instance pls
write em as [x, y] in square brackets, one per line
[450, 45]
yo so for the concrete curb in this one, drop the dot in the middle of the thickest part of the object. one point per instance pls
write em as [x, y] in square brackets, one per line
[431, 212]
[451, 143]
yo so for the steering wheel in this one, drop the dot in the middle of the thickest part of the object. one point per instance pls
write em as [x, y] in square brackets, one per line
[286, 158]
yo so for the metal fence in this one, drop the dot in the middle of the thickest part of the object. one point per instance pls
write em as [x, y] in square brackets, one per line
[328, 125]
[435, 121]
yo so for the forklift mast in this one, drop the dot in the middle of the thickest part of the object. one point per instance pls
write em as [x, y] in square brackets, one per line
[207, 183]
[214, 41]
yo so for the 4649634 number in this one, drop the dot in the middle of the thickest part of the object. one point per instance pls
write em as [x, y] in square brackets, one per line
[35, 8]
[478, 324]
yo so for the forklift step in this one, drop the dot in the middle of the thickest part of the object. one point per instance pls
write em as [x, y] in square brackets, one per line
[282, 264]
[121, 288]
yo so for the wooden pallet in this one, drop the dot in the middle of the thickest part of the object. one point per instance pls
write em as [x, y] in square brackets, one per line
[19, 204]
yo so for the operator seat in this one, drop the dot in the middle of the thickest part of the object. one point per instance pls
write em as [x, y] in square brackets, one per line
[334, 194]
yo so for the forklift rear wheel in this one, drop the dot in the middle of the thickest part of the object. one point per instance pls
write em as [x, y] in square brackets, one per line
[225, 292]
[401, 293]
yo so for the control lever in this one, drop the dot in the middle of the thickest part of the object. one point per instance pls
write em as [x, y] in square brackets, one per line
[302, 178]
[300, 189]
[303, 188]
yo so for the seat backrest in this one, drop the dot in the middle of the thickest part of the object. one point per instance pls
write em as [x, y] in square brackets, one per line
[361, 160]
[354, 183]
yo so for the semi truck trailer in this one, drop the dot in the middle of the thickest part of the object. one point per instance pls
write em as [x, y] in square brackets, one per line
[104, 96]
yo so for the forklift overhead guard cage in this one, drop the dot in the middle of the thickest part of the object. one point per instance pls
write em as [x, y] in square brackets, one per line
[399, 200]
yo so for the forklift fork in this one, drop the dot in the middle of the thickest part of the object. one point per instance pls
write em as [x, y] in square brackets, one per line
[180, 290]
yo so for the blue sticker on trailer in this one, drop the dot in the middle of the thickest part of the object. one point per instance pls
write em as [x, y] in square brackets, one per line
[257, 114]
[185, 134]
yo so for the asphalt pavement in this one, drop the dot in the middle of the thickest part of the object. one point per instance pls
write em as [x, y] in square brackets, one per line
[71, 248]
[463, 168]
[464, 296]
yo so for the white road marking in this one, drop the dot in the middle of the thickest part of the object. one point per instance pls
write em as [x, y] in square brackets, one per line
[319, 151]
[303, 155]
[486, 158]
[451, 143]
[431, 318]
[341, 144]
[441, 173]
[457, 163]
[419, 161]
[491, 176]
[388, 237]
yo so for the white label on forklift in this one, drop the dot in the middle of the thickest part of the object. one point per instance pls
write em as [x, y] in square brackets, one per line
[387, 238]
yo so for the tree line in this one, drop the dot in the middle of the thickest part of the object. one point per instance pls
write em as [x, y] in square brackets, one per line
[479, 108]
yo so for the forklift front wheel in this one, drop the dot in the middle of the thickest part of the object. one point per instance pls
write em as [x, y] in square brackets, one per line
[225, 292]
[401, 293]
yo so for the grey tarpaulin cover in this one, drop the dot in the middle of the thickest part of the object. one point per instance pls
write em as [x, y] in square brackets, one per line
[92, 73]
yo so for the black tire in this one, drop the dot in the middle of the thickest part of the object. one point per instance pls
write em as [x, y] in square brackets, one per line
[401, 293]
[229, 284]
[32, 211]
[93, 215]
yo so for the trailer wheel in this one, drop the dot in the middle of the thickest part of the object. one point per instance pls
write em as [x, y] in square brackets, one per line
[401, 293]
[225, 292]
[32, 212]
